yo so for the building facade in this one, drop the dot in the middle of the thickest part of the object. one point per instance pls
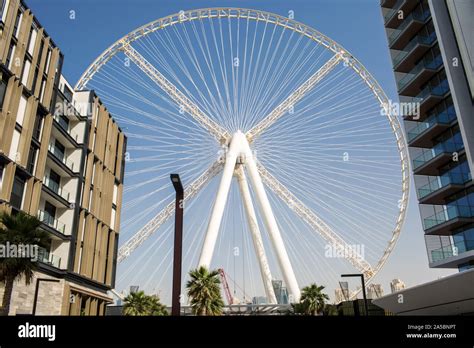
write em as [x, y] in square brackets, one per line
[342, 292]
[374, 291]
[62, 160]
[432, 53]
[396, 285]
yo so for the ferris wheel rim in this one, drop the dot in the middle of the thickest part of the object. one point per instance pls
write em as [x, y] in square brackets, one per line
[312, 34]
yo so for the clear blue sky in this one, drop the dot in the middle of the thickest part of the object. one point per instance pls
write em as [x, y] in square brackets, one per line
[355, 24]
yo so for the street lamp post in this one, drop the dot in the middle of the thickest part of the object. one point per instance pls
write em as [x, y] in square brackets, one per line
[178, 244]
[363, 289]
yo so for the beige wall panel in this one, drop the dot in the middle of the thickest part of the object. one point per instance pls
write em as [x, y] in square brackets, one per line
[10, 110]
[8, 177]
[43, 150]
[6, 35]
[27, 131]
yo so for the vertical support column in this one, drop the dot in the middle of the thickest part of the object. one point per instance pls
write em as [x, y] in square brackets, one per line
[256, 236]
[271, 224]
[219, 204]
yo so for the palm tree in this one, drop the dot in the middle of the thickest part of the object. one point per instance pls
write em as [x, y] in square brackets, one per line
[140, 304]
[313, 299]
[18, 229]
[204, 292]
[156, 307]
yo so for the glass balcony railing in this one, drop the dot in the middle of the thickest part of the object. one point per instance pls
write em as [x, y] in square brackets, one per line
[45, 256]
[50, 220]
[439, 91]
[452, 250]
[445, 117]
[393, 10]
[427, 155]
[432, 64]
[449, 213]
[423, 16]
[64, 125]
[54, 186]
[438, 182]
[419, 39]
[61, 156]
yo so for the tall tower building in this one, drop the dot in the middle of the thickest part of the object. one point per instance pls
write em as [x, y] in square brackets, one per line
[62, 160]
[342, 293]
[396, 285]
[374, 291]
[431, 47]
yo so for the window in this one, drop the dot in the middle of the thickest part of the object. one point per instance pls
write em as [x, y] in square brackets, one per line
[35, 79]
[16, 198]
[55, 177]
[3, 89]
[4, 8]
[114, 199]
[49, 213]
[26, 72]
[32, 156]
[43, 86]
[67, 93]
[20, 116]
[93, 174]
[54, 181]
[40, 53]
[91, 192]
[96, 120]
[14, 155]
[63, 122]
[16, 28]
[11, 56]
[38, 127]
[59, 149]
[32, 41]
[48, 61]
[112, 219]
[1, 175]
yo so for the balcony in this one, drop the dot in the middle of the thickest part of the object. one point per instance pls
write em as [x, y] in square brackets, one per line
[452, 250]
[411, 24]
[387, 3]
[431, 159]
[412, 52]
[450, 218]
[440, 187]
[63, 125]
[391, 19]
[54, 186]
[428, 97]
[51, 221]
[424, 70]
[61, 157]
[424, 132]
[46, 257]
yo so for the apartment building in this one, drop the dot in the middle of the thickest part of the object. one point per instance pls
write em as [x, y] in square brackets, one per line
[430, 42]
[62, 160]
[433, 67]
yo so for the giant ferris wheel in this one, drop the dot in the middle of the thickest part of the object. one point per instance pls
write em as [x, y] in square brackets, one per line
[294, 166]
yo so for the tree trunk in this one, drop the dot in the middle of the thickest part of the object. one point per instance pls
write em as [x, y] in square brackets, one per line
[7, 296]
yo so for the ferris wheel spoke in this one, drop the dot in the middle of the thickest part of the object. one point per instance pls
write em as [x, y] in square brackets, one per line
[315, 222]
[147, 230]
[294, 97]
[219, 133]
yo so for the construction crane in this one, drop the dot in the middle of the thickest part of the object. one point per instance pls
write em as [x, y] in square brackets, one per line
[225, 285]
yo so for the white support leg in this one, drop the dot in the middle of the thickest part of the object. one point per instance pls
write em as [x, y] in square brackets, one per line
[256, 235]
[271, 224]
[240, 146]
[219, 204]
